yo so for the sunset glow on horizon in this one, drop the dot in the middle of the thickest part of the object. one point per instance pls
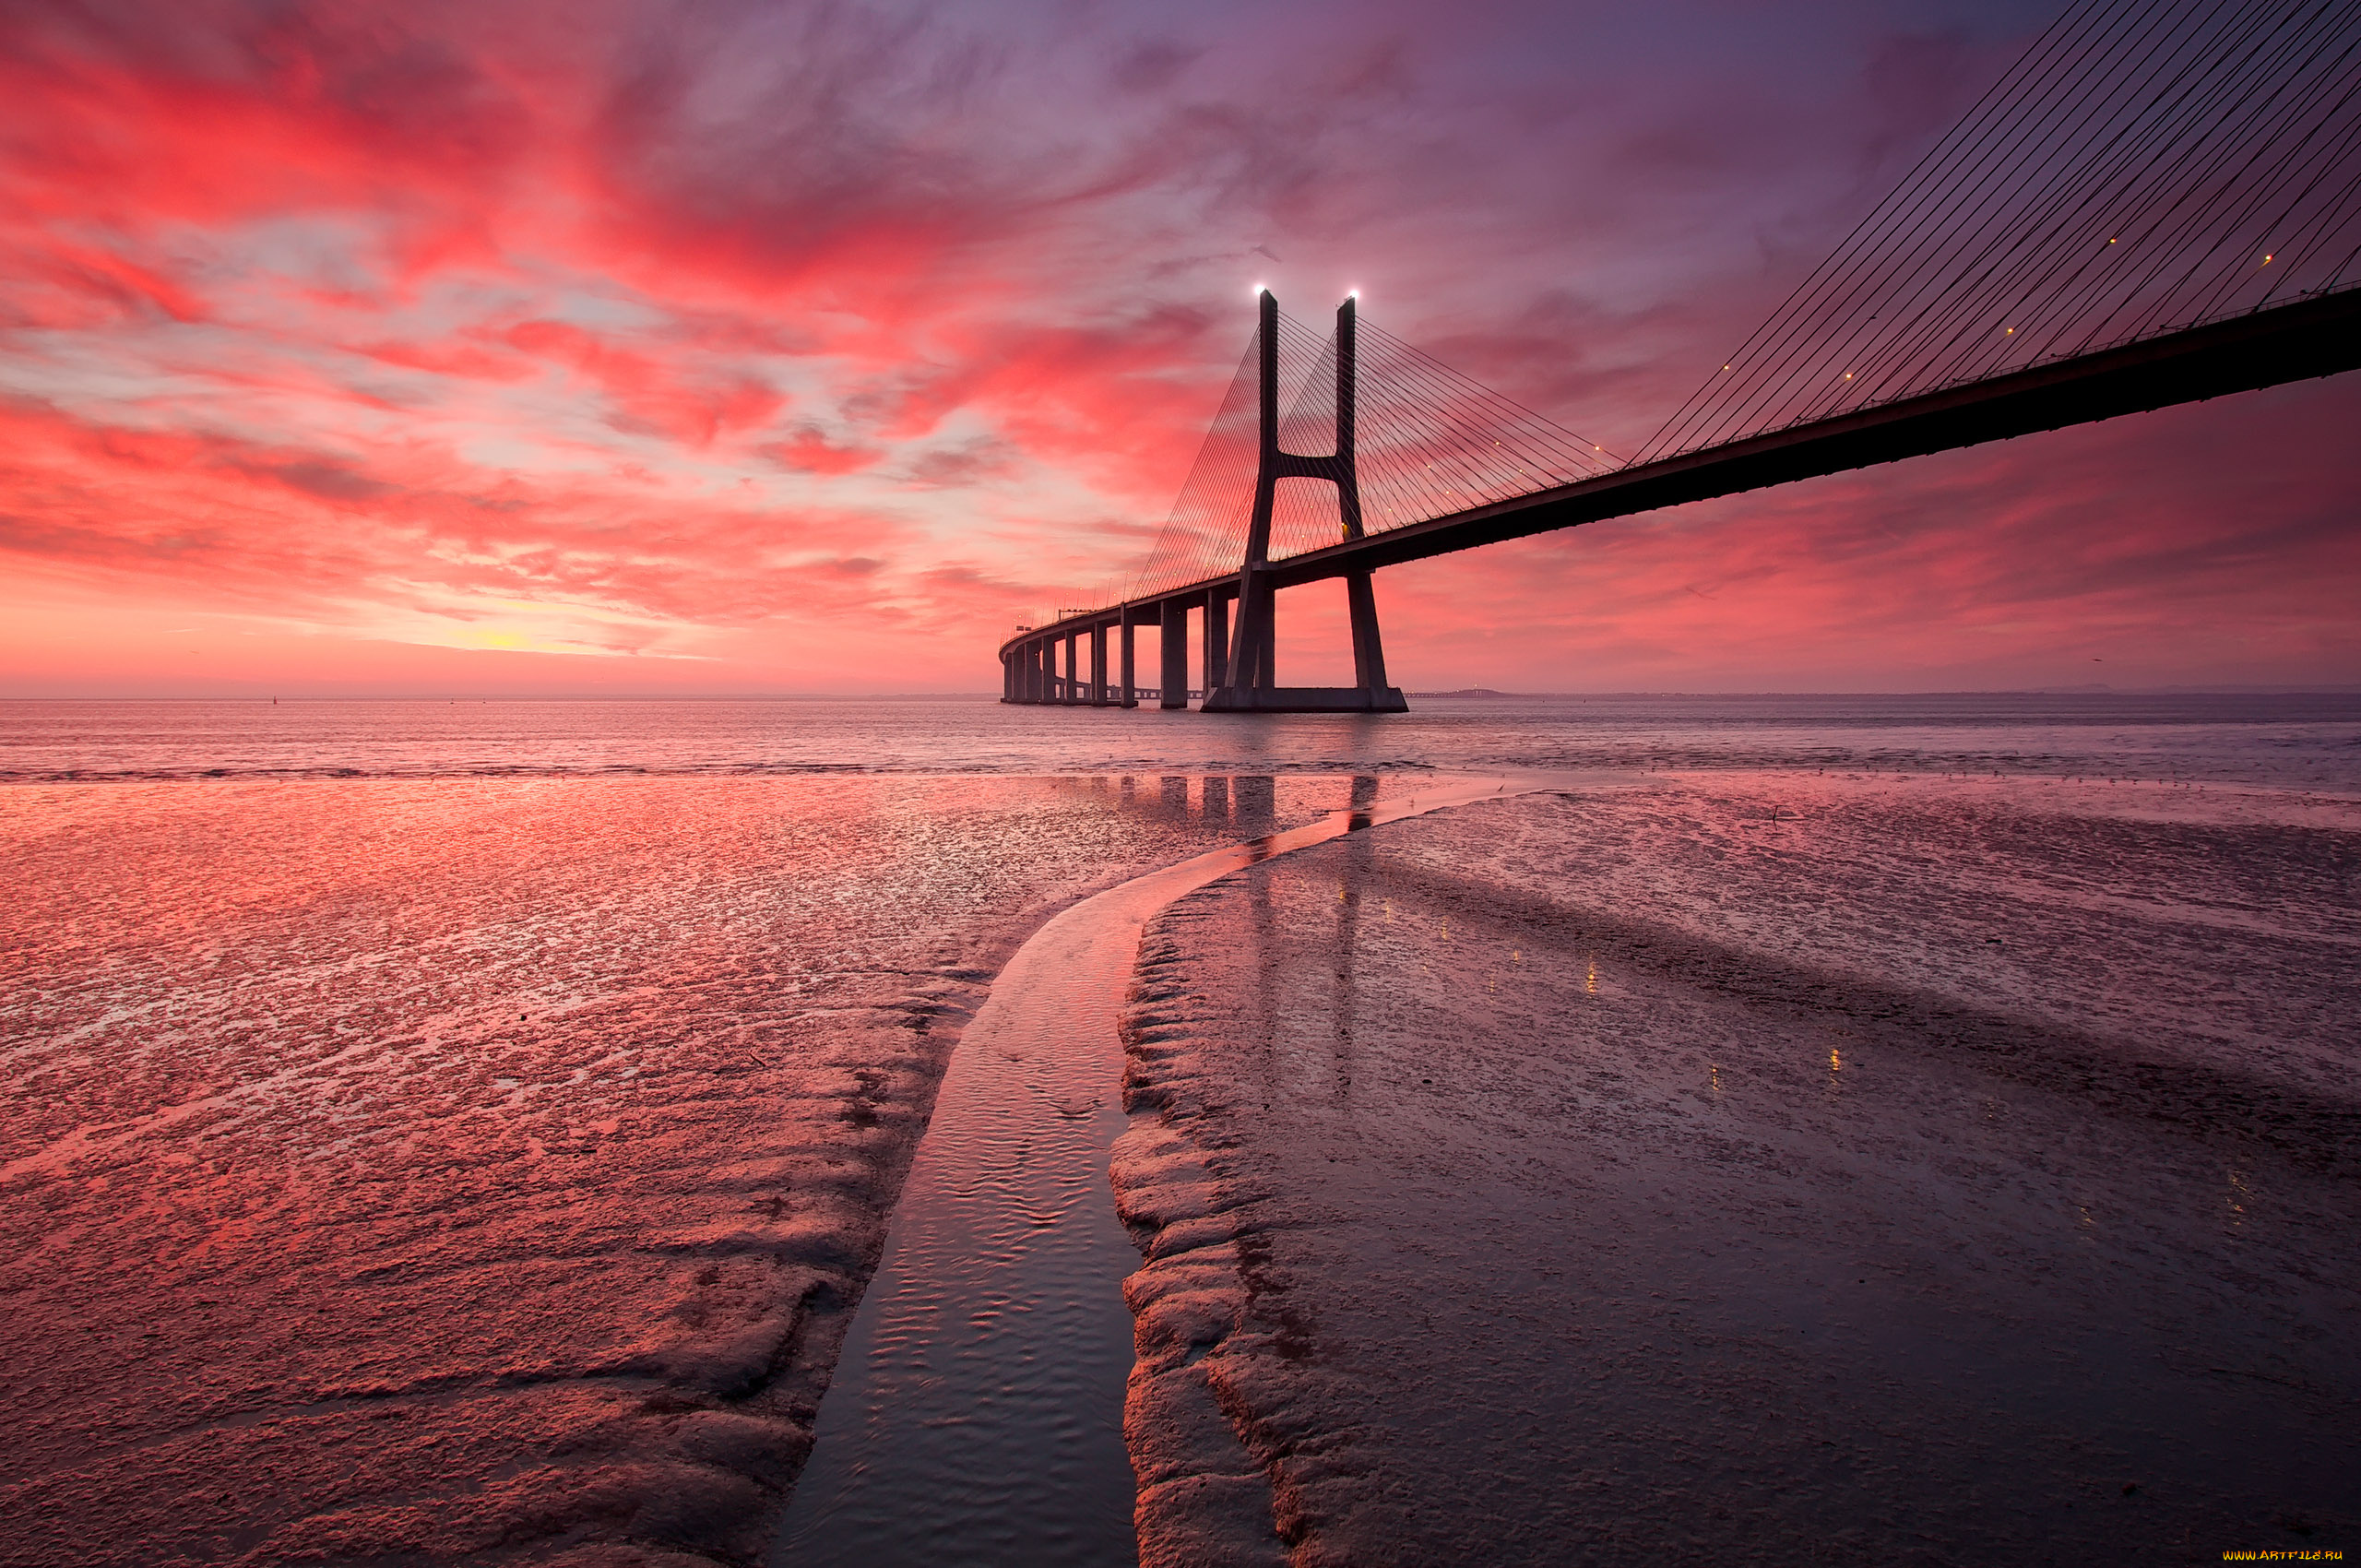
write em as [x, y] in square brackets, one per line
[641, 348]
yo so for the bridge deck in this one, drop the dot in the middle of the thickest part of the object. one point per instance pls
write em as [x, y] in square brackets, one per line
[2293, 342]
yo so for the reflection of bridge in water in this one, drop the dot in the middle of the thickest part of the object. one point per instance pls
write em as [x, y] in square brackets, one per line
[2142, 212]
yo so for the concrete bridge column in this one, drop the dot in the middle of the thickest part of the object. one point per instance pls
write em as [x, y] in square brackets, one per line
[1131, 697]
[1253, 683]
[1369, 652]
[1264, 661]
[1037, 670]
[1176, 653]
[1098, 665]
[1217, 641]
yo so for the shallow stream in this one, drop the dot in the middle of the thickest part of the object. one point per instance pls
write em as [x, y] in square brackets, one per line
[979, 1403]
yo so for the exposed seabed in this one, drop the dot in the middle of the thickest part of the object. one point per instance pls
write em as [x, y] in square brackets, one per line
[977, 1414]
[1757, 1169]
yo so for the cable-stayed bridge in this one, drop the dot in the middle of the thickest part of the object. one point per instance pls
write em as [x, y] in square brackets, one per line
[2158, 203]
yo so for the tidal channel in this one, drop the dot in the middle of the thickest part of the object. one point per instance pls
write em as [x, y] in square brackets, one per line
[977, 1412]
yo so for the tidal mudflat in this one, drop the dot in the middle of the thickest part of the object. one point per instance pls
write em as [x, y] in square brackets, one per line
[449, 1132]
[1758, 1167]
[472, 1169]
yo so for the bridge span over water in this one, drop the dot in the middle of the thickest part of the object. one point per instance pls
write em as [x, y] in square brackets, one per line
[2156, 205]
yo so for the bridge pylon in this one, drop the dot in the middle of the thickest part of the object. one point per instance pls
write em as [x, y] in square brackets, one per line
[1251, 685]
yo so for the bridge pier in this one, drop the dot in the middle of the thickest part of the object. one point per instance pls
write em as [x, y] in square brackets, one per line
[1252, 685]
[1369, 650]
[1125, 663]
[1098, 665]
[1217, 648]
[1174, 655]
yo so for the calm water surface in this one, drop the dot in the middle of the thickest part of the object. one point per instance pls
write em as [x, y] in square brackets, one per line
[2306, 741]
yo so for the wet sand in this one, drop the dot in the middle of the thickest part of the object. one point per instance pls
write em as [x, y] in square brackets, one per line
[977, 1416]
[481, 1171]
[1758, 1168]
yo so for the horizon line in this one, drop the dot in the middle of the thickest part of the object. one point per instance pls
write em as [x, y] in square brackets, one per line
[1463, 693]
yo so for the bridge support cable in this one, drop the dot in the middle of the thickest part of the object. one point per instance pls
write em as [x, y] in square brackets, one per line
[1428, 442]
[2143, 167]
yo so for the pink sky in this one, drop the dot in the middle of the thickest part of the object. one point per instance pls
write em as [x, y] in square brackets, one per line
[735, 347]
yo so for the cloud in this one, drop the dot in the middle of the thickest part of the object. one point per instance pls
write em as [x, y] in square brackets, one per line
[703, 326]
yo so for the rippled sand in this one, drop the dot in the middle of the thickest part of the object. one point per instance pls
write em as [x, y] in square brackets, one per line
[1758, 1168]
[483, 1170]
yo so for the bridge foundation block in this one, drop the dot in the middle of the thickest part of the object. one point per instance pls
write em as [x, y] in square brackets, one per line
[1307, 699]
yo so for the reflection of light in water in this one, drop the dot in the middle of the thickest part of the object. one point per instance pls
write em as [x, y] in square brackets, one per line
[2237, 1200]
[1713, 1079]
[1591, 984]
[1516, 955]
[1835, 1062]
[1446, 931]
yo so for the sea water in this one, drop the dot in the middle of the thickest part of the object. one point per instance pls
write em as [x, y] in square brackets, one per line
[2301, 741]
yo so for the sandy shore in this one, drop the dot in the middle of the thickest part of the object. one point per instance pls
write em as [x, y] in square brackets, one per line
[1758, 1168]
[476, 1171]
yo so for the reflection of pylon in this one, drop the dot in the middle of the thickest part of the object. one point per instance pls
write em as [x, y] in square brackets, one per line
[1251, 683]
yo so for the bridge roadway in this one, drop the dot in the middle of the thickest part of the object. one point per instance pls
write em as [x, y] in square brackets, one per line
[2311, 338]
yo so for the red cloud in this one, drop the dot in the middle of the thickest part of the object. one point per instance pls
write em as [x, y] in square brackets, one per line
[722, 314]
[648, 394]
